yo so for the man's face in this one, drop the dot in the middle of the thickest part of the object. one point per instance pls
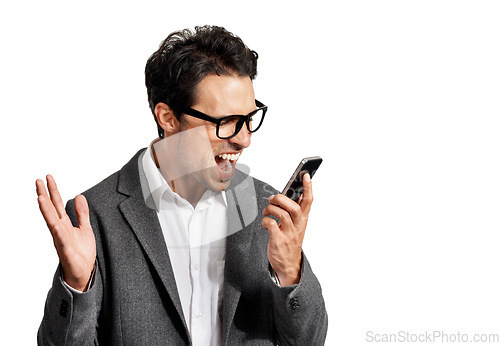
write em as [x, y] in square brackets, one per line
[211, 160]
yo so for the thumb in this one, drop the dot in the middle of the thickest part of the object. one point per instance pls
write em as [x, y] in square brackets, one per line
[82, 211]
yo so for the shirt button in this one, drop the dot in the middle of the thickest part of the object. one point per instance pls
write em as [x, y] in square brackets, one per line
[197, 315]
[196, 266]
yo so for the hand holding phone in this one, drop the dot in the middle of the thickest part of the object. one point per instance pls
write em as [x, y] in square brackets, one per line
[286, 222]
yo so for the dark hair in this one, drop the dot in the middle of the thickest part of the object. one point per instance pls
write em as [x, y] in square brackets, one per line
[186, 57]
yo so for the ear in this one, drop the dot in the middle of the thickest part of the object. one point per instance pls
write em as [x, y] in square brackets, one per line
[166, 119]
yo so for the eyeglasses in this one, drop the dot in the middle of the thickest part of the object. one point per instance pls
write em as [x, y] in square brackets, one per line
[229, 126]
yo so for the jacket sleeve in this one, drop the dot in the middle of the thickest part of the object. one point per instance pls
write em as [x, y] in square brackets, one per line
[300, 313]
[70, 318]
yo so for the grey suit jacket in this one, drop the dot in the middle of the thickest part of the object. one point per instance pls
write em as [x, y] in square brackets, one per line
[134, 299]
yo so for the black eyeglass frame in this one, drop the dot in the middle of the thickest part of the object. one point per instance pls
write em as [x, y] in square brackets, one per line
[242, 118]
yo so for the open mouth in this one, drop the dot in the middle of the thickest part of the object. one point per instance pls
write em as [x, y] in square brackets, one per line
[226, 163]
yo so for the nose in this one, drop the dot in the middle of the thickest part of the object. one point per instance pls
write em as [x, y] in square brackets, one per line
[243, 138]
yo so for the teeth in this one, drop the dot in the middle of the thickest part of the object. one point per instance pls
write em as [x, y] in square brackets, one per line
[232, 157]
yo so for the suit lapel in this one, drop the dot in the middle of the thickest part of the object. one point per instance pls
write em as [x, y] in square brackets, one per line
[242, 214]
[144, 223]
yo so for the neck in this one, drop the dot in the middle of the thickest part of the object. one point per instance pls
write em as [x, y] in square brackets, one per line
[188, 188]
[185, 186]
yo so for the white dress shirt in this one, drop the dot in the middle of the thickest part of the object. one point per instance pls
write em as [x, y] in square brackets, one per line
[196, 242]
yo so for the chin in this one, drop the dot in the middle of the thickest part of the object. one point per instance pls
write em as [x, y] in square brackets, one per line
[218, 185]
[225, 184]
[212, 180]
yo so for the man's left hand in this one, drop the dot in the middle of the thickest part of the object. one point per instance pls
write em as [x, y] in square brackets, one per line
[284, 250]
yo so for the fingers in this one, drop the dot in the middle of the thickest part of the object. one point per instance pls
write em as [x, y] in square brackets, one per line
[271, 225]
[307, 195]
[40, 188]
[290, 213]
[280, 213]
[52, 207]
[55, 196]
[49, 213]
[286, 205]
[82, 211]
[54, 199]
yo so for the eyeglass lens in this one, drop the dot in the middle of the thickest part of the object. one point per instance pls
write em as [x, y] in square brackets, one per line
[232, 125]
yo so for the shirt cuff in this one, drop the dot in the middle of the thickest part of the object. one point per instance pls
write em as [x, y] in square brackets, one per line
[89, 285]
[274, 276]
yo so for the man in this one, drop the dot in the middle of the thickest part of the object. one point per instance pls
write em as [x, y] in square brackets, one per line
[173, 249]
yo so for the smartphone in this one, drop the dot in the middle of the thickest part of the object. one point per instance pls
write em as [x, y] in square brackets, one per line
[293, 189]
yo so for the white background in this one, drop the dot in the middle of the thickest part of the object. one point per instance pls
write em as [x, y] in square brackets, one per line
[400, 98]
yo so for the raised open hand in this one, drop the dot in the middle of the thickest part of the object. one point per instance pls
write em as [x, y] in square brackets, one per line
[75, 246]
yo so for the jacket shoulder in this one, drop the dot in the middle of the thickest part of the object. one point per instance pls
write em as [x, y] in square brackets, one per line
[263, 188]
[107, 192]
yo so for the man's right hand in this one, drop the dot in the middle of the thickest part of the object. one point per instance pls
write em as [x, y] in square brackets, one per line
[75, 246]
